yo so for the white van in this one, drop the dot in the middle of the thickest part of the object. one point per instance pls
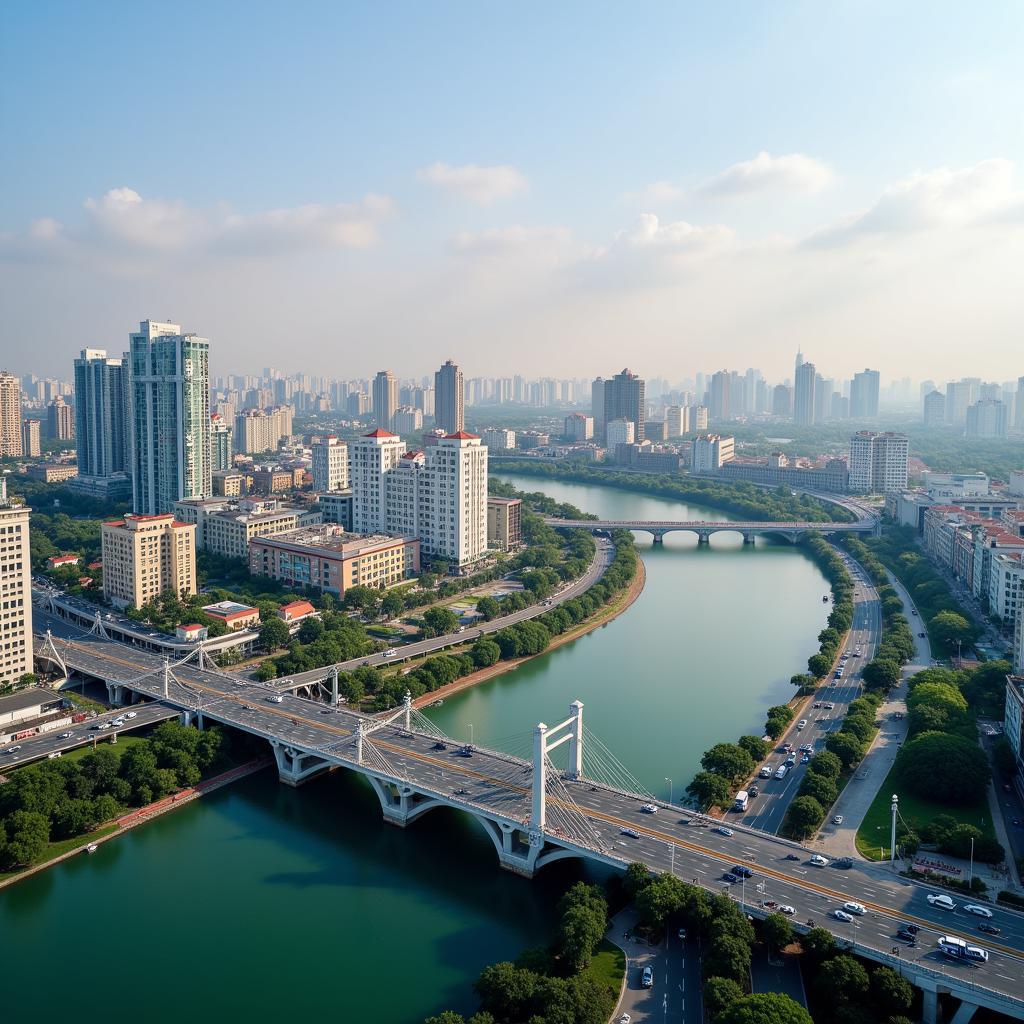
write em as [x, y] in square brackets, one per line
[780, 772]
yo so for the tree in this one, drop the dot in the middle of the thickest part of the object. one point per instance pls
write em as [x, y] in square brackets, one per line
[447, 1017]
[960, 763]
[274, 634]
[841, 980]
[28, 832]
[948, 627]
[754, 746]
[637, 877]
[583, 916]
[821, 788]
[803, 681]
[890, 992]
[392, 604]
[310, 630]
[504, 988]
[708, 789]
[729, 760]
[777, 931]
[804, 816]
[439, 622]
[818, 944]
[765, 1008]
[819, 665]
[727, 956]
[660, 899]
[485, 652]
[825, 764]
[720, 993]
[847, 747]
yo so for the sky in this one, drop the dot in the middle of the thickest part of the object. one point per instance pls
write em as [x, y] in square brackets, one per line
[547, 189]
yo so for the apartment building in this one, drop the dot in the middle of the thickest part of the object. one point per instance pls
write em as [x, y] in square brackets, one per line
[504, 523]
[260, 430]
[330, 464]
[146, 555]
[15, 590]
[31, 439]
[10, 415]
[227, 527]
[710, 452]
[878, 462]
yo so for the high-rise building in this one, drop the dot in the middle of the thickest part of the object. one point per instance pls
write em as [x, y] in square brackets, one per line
[678, 418]
[497, 439]
[597, 407]
[16, 588]
[261, 430]
[385, 399]
[170, 417]
[710, 452]
[934, 409]
[878, 462]
[330, 464]
[438, 495]
[101, 410]
[1018, 407]
[408, 420]
[221, 448]
[782, 401]
[864, 395]
[803, 394]
[719, 396]
[10, 415]
[700, 418]
[624, 398]
[987, 417]
[620, 431]
[60, 420]
[578, 427]
[448, 398]
[144, 555]
[958, 398]
[31, 440]
[822, 398]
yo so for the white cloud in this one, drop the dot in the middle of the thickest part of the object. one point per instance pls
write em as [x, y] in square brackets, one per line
[657, 192]
[479, 185]
[123, 226]
[943, 198]
[514, 237]
[793, 172]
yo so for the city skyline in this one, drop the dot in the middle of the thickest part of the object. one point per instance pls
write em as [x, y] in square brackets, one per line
[569, 228]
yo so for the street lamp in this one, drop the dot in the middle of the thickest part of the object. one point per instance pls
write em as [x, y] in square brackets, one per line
[669, 781]
[471, 734]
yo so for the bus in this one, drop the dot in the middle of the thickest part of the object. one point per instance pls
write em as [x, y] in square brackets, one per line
[741, 801]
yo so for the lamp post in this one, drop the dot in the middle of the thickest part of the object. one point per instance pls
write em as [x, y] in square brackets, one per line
[670, 792]
[471, 734]
[970, 877]
[892, 836]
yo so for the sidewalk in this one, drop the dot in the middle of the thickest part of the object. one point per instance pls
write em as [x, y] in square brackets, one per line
[861, 790]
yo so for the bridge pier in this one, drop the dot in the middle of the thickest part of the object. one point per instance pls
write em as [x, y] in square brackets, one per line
[659, 538]
[965, 1012]
[748, 536]
[295, 767]
[115, 694]
[703, 538]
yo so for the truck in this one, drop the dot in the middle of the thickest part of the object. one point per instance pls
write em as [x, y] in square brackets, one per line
[956, 948]
[741, 801]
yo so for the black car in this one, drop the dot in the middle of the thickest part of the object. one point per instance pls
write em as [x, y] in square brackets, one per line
[989, 929]
[743, 872]
[730, 877]
[466, 751]
[792, 856]
[843, 862]
[906, 934]
[439, 746]
[912, 928]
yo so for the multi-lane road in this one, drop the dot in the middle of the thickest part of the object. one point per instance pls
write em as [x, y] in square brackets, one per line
[768, 810]
[498, 786]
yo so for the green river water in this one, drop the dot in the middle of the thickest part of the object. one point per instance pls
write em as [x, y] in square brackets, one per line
[261, 902]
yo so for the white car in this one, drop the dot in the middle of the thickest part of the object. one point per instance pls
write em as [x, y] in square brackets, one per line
[942, 901]
[786, 909]
[12, 750]
[855, 908]
[631, 832]
[649, 809]
[130, 715]
[818, 861]
[766, 771]
[65, 735]
[102, 726]
[841, 915]
[837, 819]
[723, 831]
[625, 1019]
[276, 698]
[802, 724]
[390, 652]
[973, 908]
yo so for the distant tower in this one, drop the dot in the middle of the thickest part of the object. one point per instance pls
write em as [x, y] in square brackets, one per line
[385, 398]
[448, 398]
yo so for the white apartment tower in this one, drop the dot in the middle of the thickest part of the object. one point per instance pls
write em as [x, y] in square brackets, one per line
[330, 464]
[15, 590]
[169, 396]
[374, 455]
[10, 414]
[878, 462]
[101, 413]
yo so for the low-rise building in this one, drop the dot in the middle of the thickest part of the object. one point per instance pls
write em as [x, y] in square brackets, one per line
[192, 632]
[229, 483]
[504, 523]
[833, 476]
[328, 559]
[273, 481]
[578, 427]
[225, 527]
[145, 555]
[233, 614]
[32, 702]
[60, 561]
[53, 472]
[295, 611]
[498, 440]
[710, 452]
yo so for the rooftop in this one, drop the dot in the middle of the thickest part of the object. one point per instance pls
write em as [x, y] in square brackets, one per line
[332, 539]
[380, 432]
[227, 608]
[33, 697]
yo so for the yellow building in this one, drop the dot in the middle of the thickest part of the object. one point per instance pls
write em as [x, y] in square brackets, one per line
[15, 591]
[146, 555]
[504, 523]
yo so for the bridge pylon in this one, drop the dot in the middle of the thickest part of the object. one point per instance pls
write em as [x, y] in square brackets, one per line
[546, 739]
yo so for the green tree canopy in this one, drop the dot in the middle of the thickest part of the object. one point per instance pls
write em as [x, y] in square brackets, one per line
[960, 763]
[765, 1008]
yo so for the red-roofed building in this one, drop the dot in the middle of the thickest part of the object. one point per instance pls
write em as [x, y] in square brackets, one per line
[296, 611]
[462, 435]
[59, 561]
[380, 432]
[191, 631]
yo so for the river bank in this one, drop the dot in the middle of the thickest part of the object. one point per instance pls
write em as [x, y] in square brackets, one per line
[601, 618]
[111, 830]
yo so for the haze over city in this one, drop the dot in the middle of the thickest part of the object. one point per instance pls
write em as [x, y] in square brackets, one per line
[519, 192]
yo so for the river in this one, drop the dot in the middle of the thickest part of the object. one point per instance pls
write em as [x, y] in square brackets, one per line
[261, 901]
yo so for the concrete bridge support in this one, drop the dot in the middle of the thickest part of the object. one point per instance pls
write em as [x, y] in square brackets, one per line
[115, 694]
[748, 536]
[659, 537]
[964, 1014]
[295, 767]
[703, 538]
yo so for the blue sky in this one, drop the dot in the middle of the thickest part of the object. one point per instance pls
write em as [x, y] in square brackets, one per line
[527, 187]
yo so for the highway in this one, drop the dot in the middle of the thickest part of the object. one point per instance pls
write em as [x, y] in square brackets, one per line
[768, 810]
[37, 747]
[497, 786]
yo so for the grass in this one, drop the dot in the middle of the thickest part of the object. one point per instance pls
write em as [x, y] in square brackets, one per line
[916, 811]
[61, 847]
[607, 966]
[85, 703]
[122, 744]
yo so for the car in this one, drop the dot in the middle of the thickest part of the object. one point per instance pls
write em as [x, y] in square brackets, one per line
[855, 908]
[843, 862]
[989, 929]
[818, 861]
[842, 915]
[647, 978]
[625, 1019]
[464, 751]
[461, 629]
[787, 747]
[780, 772]
[390, 652]
[921, 635]
[754, 790]
[12, 750]
[65, 735]
[912, 928]
[790, 761]
[276, 698]
[130, 714]
[816, 704]
[117, 721]
[729, 877]
[327, 711]
[906, 935]
[739, 869]
[792, 856]
[978, 911]
[769, 904]
[830, 706]
[53, 755]
[941, 900]
[802, 724]
[631, 832]
[102, 726]
[248, 707]
[807, 748]
[649, 809]
[439, 745]
[785, 908]
[682, 934]
[806, 759]
[766, 771]
[723, 831]
[837, 819]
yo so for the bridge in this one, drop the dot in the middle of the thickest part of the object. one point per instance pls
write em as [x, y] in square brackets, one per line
[536, 811]
[792, 531]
